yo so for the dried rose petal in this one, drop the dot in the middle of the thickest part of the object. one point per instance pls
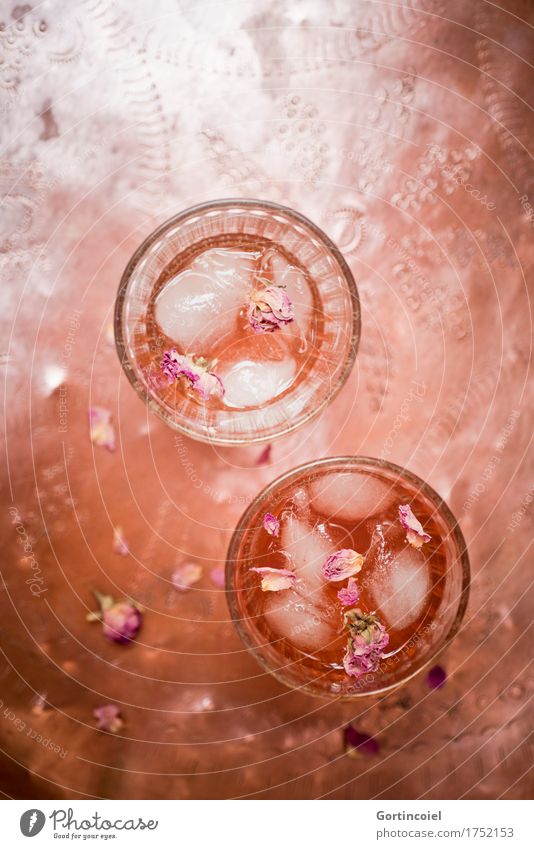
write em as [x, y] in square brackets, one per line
[359, 743]
[265, 456]
[108, 718]
[101, 431]
[271, 524]
[39, 704]
[209, 384]
[436, 677]
[349, 595]
[120, 546]
[196, 371]
[174, 365]
[269, 308]
[342, 564]
[274, 580]
[185, 576]
[121, 620]
[217, 577]
[415, 535]
[367, 640]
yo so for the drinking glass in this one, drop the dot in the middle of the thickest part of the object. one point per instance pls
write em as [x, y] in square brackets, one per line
[420, 595]
[323, 353]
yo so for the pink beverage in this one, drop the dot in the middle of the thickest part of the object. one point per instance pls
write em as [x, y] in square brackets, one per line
[347, 576]
[237, 321]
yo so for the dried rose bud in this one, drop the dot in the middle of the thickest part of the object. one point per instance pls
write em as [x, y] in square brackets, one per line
[185, 575]
[121, 620]
[349, 595]
[342, 564]
[436, 677]
[197, 372]
[367, 640]
[108, 718]
[269, 308]
[101, 431]
[120, 546]
[274, 580]
[415, 534]
[271, 524]
[359, 743]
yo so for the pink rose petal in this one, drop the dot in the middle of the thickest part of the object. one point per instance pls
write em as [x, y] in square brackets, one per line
[342, 564]
[108, 718]
[274, 580]
[101, 431]
[436, 677]
[120, 546]
[209, 384]
[39, 704]
[349, 595]
[415, 534]
[271, 524]
[359, 743]
[185, 576]
[265, 456]
[217, 577]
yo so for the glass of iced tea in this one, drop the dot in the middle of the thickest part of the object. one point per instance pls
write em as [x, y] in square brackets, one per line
[347, 576]
[237, 321]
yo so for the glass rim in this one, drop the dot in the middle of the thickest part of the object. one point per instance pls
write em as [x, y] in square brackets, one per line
[221, 204]
[369, 463]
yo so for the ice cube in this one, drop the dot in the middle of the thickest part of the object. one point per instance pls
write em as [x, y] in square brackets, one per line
[350, 495]
[256, 370]
[397, 579]
[201, 304]
[251, 384]
[302, 623]
[307, 549]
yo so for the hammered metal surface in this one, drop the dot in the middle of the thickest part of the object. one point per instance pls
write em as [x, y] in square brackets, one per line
[404, 130]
